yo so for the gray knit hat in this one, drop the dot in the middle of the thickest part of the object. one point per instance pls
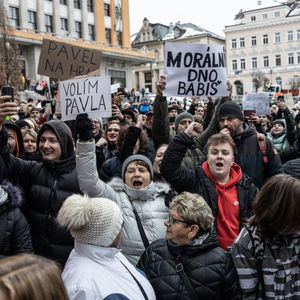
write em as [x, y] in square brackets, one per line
[137, 157]
[184, 115]
[95, 221]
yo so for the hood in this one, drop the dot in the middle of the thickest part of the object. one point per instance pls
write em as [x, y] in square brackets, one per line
[11, 194]
[18, 137]
[235, 175]
[63, 134]
[149, 192]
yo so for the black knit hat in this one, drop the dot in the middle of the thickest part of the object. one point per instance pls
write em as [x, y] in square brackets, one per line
[231, 109]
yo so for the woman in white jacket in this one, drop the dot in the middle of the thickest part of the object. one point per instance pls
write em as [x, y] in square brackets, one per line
[139, 198]
[96, 268]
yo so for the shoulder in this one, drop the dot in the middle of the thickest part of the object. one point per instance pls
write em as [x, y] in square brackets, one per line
[162, 187]
[117, 184]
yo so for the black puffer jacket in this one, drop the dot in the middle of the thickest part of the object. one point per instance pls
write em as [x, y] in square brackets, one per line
[196, 181]
[46, 186]
[15, 234]
[209, 268]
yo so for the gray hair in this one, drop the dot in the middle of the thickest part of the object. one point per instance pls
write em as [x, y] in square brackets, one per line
[193, 208]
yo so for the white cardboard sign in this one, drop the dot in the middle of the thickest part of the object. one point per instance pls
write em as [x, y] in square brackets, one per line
[114, 88]
[85, 95]
[258, 102]
[195, 70]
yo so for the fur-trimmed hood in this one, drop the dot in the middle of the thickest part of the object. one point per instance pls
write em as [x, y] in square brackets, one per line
[151, 191]
[11, 194]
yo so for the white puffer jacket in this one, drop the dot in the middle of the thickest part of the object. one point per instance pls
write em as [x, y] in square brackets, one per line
[149, 202]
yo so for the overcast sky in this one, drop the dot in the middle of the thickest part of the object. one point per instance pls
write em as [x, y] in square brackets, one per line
[212, 15]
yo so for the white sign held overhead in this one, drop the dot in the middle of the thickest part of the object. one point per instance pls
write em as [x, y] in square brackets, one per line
[258, 102]
[114, 88]
[195, 70]
[89, 95]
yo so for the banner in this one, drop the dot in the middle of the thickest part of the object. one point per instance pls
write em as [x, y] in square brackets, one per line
[65, 61]
[85, 95]
[258, 102]
[195, 70]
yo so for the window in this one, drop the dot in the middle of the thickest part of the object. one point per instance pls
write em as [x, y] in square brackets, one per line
[277, 37]
[107, 35]
[253, 41]
[64, 24]
[243, 64]
[242, 42]
[48, 23]
[91, 32]
[90, 5]
[106, 9]
[233, 43]
[290, 58]
[277, 14]
[119, 38]
[14, 16]
[298, 34]
[265, 16]
[253, 18]
[265, 39]
[77, 4]
[254, 62]
[32, 24]
[266, 61]
[63, 2]
[117, 77]
[78, 32]
[278, 60]
[290, 35]
[234, 65]
[298, 57]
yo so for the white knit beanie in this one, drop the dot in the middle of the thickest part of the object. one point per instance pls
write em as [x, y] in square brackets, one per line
[95, 221]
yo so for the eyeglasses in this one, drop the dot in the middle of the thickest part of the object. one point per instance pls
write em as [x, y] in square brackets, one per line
[172, 220]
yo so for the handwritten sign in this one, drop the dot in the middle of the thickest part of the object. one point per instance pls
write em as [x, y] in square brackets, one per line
[289, 101]
[195, 70]
[65, 61]
[85, 95]
[114, 88]
[256, 101]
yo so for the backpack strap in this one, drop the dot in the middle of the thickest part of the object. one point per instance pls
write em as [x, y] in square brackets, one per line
[262, 146]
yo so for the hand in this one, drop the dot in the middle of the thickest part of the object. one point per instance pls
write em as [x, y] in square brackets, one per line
[116, 112]
[161, 85]
[118, 98]
[254, 118]
[194, 130]
[84, 127]
[225, 131]
[141, 120]
[229, 88]
[101, 142]
[7, 108]
[48, 112]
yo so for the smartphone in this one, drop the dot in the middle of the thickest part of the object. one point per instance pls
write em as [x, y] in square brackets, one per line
[7, 90]
[48, 105]
[248, 112]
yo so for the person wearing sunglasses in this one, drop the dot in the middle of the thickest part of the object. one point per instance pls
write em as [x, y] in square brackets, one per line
[188, 264]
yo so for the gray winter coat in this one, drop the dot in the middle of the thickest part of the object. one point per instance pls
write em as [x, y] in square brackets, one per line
[149, 202]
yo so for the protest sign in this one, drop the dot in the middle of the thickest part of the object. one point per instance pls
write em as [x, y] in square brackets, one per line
[289, 101]
[195, 70]
[114, 88]
[65, 61]
[256, 101]
[85, 95]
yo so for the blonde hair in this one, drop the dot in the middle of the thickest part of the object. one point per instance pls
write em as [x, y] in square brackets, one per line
[194, 209]
[31, 277]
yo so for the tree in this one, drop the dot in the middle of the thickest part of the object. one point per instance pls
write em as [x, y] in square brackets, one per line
[294, 82]
[10, 70]
[259, 79]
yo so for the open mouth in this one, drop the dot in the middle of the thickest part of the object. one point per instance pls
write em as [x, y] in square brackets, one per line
[137, 183]
[219, 164]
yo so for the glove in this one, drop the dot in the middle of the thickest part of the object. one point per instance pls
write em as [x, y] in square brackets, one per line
[84, 127]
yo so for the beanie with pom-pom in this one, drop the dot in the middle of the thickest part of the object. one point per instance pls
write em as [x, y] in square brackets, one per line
[95, 221]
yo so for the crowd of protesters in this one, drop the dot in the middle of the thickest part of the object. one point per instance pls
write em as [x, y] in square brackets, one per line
[160, 201]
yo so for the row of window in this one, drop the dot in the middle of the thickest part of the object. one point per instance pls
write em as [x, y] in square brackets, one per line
[77, 4]
[292, 58]
[291, 36]
[265, 16]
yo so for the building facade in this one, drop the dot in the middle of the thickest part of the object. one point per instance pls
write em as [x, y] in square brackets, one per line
[151, 40]
[264, 42]
[97, 24]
